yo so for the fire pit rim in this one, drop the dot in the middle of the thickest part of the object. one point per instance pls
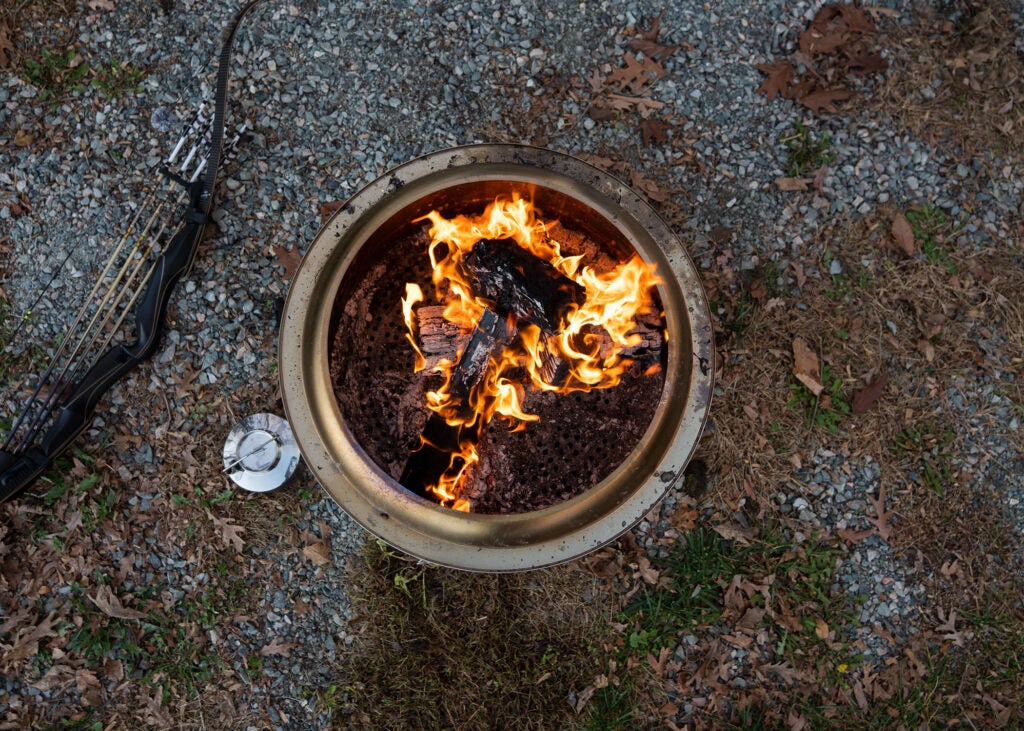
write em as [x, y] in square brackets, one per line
[471, 541]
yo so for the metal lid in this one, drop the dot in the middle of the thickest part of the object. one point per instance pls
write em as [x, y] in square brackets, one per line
[260, 453]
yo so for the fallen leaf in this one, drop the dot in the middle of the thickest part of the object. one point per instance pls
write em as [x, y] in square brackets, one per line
[798, 272]
[948, 626]
[783, 672]
[903, 234]
[653, 130]
[648, 187]
[327, 210]
[109, 603]
[825, 99]
[821, 629]
[653, 49]
[230, 533]
[866, 63]
[856, 19]
[927, 350]
[26, 641]
[289, 259]
[779, 76]
[113, 669]
[741, 535]
[859, 696]
[797, 721]
[648, 44]
[814, 42]
[318, 553]
[276, 647]
[648, 574]
[881, 522]
[602, 163]
[637, 74]
[853, 536]
[23, 138]
[792, 184]
[651, 34]
[806, 367]
[658, 663]
[6, 47]
[751, 619]
[866, 397]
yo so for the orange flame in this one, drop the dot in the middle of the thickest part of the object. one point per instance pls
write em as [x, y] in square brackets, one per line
[588, 345]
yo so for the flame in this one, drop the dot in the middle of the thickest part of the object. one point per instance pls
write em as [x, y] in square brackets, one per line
[413, 296]
[588, 344]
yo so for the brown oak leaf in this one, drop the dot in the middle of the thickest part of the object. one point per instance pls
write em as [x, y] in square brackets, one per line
[289, 259]
[779, 76]
[881, 522]
[230, 533]
[318, 553]
[653, 130]
[329, 209]
[813, 42]
[648, 187]
[806, 367]
[903, 234]
[276, 647]
[790, 185]
[636, 74]
[109, 603]
[866, 397]
[824, 99]
[6, 47]
[867, 63]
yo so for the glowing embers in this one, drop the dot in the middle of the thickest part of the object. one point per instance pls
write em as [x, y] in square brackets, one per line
[521, 316]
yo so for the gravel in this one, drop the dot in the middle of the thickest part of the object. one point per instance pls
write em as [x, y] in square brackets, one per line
[336, 93]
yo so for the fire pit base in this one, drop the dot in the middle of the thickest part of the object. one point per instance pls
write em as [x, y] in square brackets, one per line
[353, 248]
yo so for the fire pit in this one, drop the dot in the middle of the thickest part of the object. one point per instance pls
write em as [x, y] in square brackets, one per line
[476, 404]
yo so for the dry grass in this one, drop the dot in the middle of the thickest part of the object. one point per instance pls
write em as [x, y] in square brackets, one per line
[977, 106]
[439, 648]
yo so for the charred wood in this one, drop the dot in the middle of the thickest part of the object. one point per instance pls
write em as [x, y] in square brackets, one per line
[521, 284]
[440, 440]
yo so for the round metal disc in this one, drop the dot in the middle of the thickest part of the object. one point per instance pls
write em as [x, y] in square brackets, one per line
[260, 453]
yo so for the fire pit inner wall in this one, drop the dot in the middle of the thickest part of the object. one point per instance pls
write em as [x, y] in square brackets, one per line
[460, 181]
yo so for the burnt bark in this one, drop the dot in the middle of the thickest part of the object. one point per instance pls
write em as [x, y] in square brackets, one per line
[440, 440]
[519, 283]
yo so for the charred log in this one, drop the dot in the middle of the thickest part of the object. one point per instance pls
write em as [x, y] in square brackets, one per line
[440, 339]
[440, 440]
[519, 283]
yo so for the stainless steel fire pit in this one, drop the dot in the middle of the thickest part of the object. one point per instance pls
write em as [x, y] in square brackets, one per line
[564, 188]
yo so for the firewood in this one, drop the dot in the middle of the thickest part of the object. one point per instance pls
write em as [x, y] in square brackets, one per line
[520, 283]
[440, 440]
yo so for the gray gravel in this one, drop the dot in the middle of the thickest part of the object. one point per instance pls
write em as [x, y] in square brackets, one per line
[337, 93]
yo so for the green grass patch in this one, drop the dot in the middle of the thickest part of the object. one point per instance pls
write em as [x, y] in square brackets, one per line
[58, 73]
[929, 445]
[825, 411]
[700, 564]
[931, 229]
[805, 151]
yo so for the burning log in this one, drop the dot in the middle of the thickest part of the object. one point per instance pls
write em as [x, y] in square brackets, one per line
[440, 339]
[521, 284]
[439, 439]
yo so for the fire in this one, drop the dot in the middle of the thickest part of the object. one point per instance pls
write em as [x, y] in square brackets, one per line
[583, 352]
